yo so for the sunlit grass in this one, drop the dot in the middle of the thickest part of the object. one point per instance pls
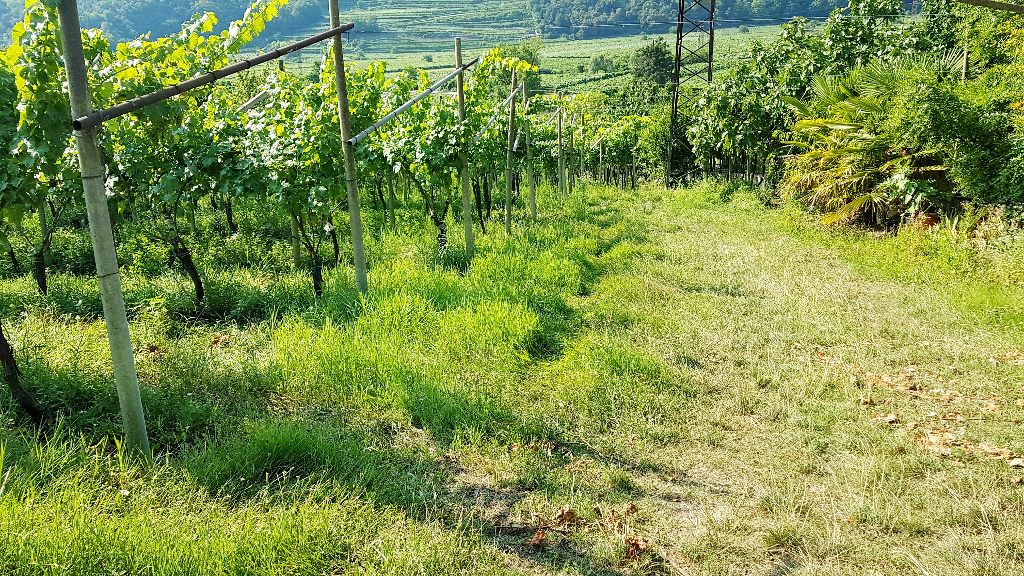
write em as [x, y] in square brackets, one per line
[687, 369]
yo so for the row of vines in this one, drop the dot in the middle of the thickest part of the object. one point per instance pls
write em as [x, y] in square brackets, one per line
[284, 154]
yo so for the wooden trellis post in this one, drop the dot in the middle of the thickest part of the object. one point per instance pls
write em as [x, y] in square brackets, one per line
[90, 161]
[467, 201]
[509, 157]
[529, 153]
[562, 189]
[355, 218]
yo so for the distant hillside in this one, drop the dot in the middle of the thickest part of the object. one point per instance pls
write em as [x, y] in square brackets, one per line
[131, 18]
[590, 17]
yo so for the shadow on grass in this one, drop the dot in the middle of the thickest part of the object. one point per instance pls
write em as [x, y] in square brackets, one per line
[280, 455]
[722, 290]
[178, 414]
[242, 297]
[557, 322]
[295, 459]
[235, 450]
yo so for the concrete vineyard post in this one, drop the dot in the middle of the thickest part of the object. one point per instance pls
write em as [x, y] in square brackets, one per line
[561, 150]
[93, 182]
[467, 201]
[529, 154]
[508, 158]
[352, 185]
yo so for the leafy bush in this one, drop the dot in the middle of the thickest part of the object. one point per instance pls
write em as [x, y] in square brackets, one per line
[888, 141]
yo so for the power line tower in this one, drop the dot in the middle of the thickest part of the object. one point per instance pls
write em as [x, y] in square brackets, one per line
[695, 55]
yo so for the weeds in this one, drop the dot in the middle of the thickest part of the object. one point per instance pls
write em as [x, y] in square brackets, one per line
[678, 382]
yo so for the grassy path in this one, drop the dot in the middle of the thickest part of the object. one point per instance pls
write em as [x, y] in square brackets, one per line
[845, 404]
[659, 383]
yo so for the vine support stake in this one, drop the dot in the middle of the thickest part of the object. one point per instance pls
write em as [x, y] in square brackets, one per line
[467, 201]
[561, 150]
[529, 152]
[352, 185]
[570, 152]
[93, 182]
[508, 157]
[583, 150]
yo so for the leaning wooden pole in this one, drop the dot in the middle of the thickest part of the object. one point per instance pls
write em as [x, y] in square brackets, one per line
[561, 151]
[583, 150]
[90, 161]
[509, 158]
[467, 194]
[570, 151]
[529, 152]
[354, 217]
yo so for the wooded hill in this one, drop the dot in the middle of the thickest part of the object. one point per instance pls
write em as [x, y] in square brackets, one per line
[129, 19]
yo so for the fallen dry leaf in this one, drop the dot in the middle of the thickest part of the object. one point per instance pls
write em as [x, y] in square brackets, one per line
[994, 451]
[636, 545]
[826, 359]
[945, 395]
[566, 516]
[890, 419]
[538, 539]
[152, 350]
[220, 340]
[610, 519]
[630, 508]
[954, 416]
[1009, 358]
[940, 442]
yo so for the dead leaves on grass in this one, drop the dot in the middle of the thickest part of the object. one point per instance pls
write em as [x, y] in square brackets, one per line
[546, 531]
[613, 520]
[219, 341]
[635, 546]
[566, 517]
[939, 432]
[537, 541]
[1014, 358]
[617, 522]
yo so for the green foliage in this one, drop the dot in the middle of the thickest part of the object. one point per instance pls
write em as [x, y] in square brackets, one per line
[602, 63]
[128, 20]
[11, 173]
[565, 17]
[892, 140]
[653, 63]
[904, 135]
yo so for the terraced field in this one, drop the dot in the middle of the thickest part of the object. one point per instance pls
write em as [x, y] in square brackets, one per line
[427, 42]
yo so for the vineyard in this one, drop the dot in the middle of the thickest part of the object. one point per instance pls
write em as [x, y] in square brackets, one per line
[365, 303]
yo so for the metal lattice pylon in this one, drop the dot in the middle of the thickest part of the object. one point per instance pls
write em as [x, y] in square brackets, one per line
[695, 46]
[695, 57]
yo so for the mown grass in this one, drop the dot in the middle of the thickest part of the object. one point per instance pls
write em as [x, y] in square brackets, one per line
[663, 382]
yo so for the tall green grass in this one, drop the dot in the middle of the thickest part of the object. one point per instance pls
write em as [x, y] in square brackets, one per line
[306, 436]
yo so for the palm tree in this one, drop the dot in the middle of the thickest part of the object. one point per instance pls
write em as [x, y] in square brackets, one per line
[847, 162]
